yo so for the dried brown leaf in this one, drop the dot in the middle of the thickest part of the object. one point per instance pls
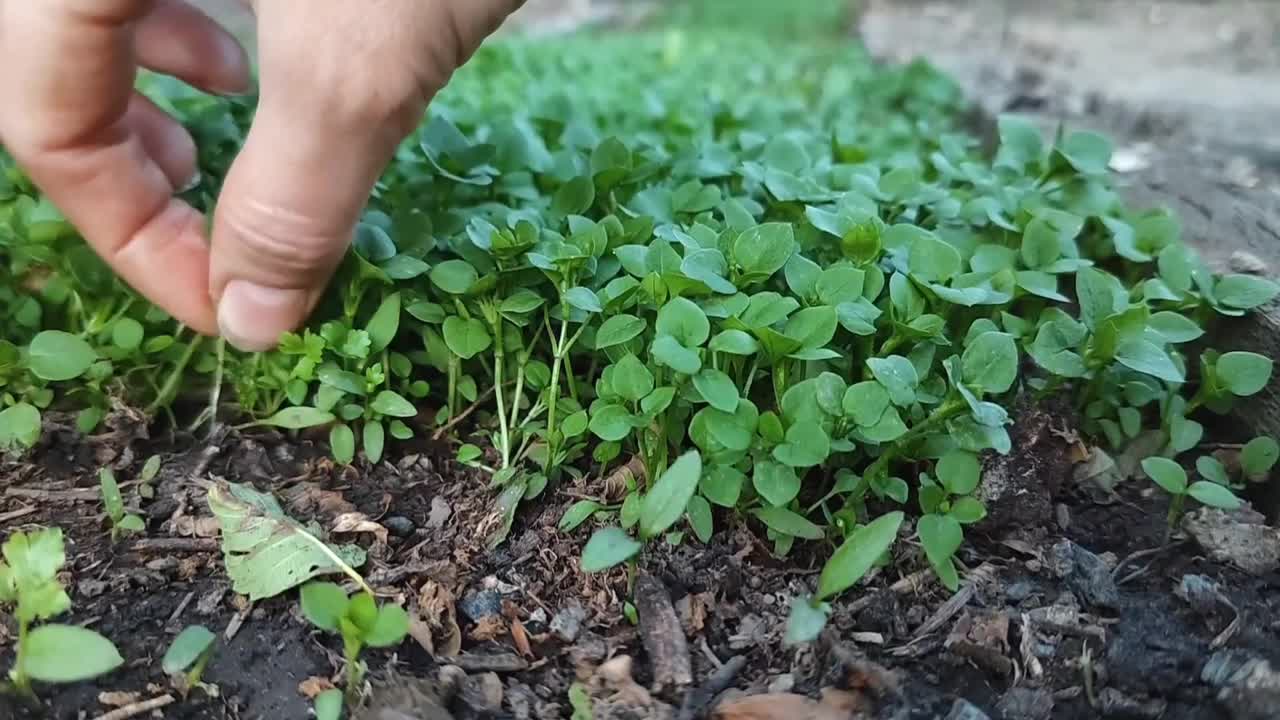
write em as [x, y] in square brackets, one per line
[354, 522]
[313, 686]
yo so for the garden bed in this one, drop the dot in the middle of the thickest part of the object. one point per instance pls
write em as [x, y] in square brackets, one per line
[1075, 594]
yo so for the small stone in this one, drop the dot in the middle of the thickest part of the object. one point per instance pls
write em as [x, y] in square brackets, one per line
[1025, 704]
[1231, 538]
[567, 624]
[1250, 688]
[482, 694]
[964, 710]
[1019, 591]
[1088, 575]
[482, 604]
[1114, 704]
[1245, 262]
[399, 525]
[784, 683]
[440, 512]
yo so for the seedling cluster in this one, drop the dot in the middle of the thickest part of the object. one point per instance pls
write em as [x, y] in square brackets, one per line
[781, 287]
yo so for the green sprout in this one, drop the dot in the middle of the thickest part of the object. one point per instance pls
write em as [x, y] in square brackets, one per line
[359, 621]
[121, 521]
[1170, 476]
[189, 655]
[49, 652]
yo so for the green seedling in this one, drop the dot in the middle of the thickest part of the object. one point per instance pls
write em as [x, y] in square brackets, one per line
[49, 652]
[359, 621]
[1170, 476]
[660, 508]
[121, 521]
[189, 655]
[329, 705]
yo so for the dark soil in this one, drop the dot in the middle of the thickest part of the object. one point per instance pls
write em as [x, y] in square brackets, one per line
[1017, 635]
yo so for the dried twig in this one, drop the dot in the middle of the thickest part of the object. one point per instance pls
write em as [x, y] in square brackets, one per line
[663, 636]
[981, 575]
[175, 545]
[15, 514]
[476, 662]
[138, 708]
[698, 702]
[453, 422]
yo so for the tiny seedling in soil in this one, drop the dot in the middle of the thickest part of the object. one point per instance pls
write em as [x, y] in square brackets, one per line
[1170, 476]
[359, 621]
[48, 653]
[121, 520]
[188, 655]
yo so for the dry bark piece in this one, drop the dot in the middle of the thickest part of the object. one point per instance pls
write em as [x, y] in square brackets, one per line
[663, 635]
[1233, 538]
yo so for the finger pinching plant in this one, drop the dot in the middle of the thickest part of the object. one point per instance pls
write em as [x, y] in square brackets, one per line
[49, 653]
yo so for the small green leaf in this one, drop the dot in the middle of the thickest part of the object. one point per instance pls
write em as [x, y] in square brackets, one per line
[1167, 474]
[374, 436]
[1259, 456]
[611, 422]
[669, 352]
[898, 376]
[328, 705]
[384, 324]
[1245, 292]
[778, 484]
[296, 418]
[1210, 468]
[630, 379]
[667, 499]
[68, 654]
[577, 514]
[1214, 495]
[858, 554]
[188, 647]
[19, 427]
[608, 547]
[967, 510]
[454, 276]
[959, 472]
[390, 627]
[583, 299]
[342, 442]
[782, 520]
[717, 389]
[1146, 357]
[806, 620]
[991, 362]
[466, 338]
[112, 502]
[1244, 373]
[127, 334]
[618, 330]
[941, 536]
[699, 513]
[683, 320]
[1174, 328]
[722, 485]
[734, 342]
[393, 404]
[56, 355]
[324, 603]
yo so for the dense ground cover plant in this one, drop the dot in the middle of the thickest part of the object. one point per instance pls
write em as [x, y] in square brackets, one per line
[780, 287]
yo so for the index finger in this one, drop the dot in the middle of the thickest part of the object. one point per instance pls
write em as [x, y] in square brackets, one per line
[68, 83]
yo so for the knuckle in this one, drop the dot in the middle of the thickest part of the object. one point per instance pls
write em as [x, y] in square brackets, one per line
[279, 241]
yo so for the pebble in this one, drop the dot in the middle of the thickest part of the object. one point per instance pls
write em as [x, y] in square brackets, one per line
[399, 525]
[1114, 704]
[483, 694]
[1088, 575]
[1022, 703]
[440, 512]
[1019, 591]
[479, 605]
[567, 624]
[1250, 688]
[965, 710]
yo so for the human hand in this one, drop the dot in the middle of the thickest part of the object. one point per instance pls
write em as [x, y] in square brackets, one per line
[341, 84]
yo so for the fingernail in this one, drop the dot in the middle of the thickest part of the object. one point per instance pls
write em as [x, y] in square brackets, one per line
[252, 317]
[191, 184]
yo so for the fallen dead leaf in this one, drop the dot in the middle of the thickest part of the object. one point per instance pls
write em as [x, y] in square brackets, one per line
[781, 706]
[437, 610]
[307, 498]
[520, 638]
[354, 522]
[617, 482]
[421, 633]
[189, 526]
[313, 686]
[490, 627]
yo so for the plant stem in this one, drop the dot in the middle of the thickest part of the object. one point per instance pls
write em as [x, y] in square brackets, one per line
[21, 682]
[751, 375]
[170, 387]
[558, 355]
[499, 354]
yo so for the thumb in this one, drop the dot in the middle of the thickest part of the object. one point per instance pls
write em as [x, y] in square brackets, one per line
[288, 209]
